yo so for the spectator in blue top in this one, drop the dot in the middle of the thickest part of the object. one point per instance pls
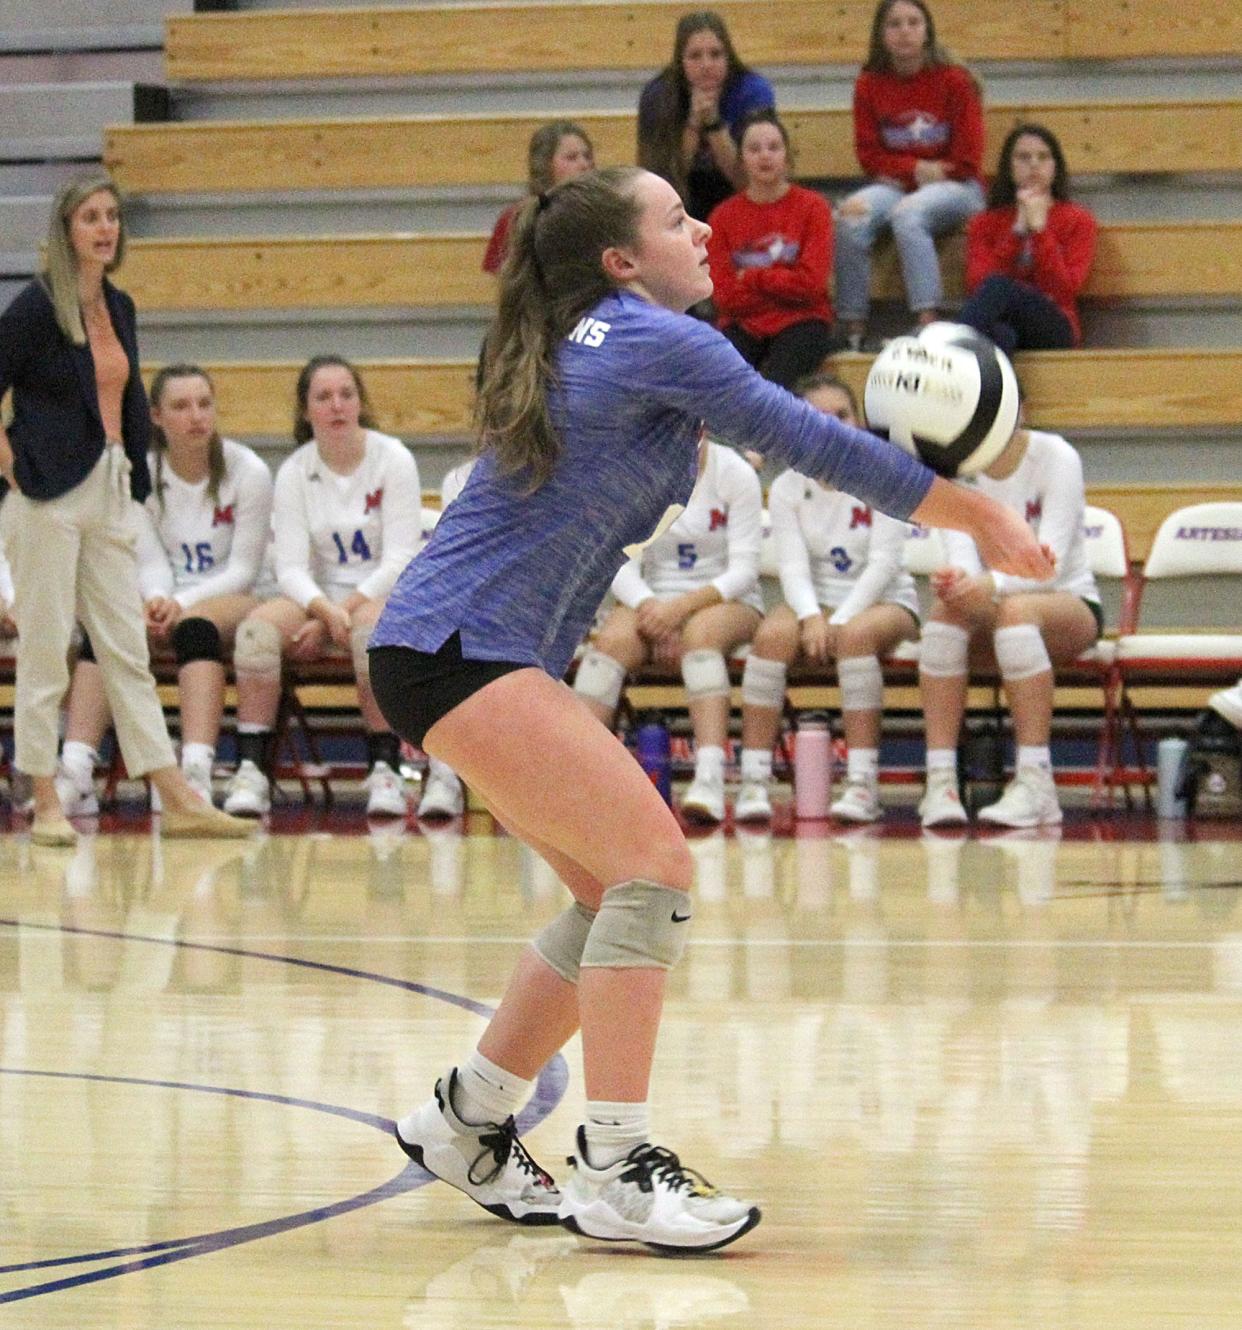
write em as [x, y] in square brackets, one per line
[690, 115]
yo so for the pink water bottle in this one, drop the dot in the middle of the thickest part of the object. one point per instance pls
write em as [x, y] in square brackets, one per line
[813, 766]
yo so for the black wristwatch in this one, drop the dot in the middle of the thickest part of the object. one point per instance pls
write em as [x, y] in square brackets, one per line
[714, 127]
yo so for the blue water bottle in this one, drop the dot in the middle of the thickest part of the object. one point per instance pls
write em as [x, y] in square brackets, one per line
[652, 750]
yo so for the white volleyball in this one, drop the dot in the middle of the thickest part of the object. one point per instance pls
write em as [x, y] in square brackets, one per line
[949, 396]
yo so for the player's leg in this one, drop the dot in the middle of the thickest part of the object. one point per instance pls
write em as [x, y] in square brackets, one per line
[617, 649]
[708, 637]
[943, 667]
[772, 650]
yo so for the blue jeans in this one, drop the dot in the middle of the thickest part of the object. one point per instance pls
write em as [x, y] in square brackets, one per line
[916, 219]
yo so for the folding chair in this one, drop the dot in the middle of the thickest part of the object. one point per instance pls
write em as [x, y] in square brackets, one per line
[1202, 540]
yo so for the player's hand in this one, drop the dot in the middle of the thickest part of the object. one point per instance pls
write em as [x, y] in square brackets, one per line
[817, 638]
[162, 614]
[972, 596]
[8, 625]
[1008, 545]
[659, 618]
[1033, 207]
[704, 107]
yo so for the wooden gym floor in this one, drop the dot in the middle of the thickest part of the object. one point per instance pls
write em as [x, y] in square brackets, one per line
[973, 1083]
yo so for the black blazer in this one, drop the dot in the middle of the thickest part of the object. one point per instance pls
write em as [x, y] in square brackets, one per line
[57, 432]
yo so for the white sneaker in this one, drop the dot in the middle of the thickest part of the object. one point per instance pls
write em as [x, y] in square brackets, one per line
[1029, 800]
[249, 793]
[76, 792]
[1228, 704]
[753, 804]
[442, 796]
[385, 792]
[704, 801]
[859, 802]
[198, 777]
[649, 1197]
[941, 805]
[487, 1162]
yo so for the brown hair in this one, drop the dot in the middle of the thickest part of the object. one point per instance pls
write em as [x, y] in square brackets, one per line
[766, 115]
[302, 432]
[1004, 192]
[553, 275]
[879, 61]
[822, 378]
[661, 151]
[544, 143]
[159, 440]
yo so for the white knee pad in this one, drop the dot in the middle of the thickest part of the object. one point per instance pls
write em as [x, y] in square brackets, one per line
[763, 683]
[1020, 651]
[705, 673]
[358, 639]
[560, 944]
[942, 650]
[599, 678]
[256, 650]
[640, 925]
[862, 684]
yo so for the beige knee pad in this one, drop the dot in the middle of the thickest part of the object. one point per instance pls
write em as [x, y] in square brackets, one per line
[599, 678]
[256, 650]
[560, 944]
[705, 673]
[640, 925]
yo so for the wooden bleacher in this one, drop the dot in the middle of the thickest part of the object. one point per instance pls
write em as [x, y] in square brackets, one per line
[474, 38]
[1131, 137]
[1134, 260]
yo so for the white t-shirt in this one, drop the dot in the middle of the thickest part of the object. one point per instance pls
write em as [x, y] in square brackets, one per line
[713, 542]
[834, 551]
[192, 547]
[336, 534]
[1048, 489]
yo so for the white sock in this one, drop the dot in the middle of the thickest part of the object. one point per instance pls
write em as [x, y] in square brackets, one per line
[613, 1129]
[196, 754]
[757, 764]
[441, 769]
[863, 764]
[485, 1092]
[942, 759]
[709, 762]
[1033, 755]
[78, 758]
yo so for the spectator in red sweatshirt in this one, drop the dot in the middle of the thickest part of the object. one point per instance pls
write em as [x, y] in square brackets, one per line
[1028, 255]
[770, 254]
[918, 132]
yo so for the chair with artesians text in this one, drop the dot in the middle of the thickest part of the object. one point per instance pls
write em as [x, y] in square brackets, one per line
[1203, 540]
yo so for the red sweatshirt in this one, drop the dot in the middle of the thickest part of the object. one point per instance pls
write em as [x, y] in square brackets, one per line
[770, 261]
[498, 245]
[934, 115]
[1055, 260]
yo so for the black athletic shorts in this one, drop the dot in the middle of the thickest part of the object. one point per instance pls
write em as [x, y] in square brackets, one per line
[415, 688]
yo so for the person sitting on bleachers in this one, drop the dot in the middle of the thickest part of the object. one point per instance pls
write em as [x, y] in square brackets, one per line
[201, 538]
[688, 598]
[1029, 254]
[918, 132]
[847, 599]
[558, 151]
[770, 252]
[690, 115]
[1025, 628]
[347, 517]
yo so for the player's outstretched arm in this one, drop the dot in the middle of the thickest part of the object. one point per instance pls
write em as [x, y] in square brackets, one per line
[1004, 540]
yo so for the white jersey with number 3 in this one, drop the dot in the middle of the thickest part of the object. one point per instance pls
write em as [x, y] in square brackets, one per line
[193, 547]
[714, 541]
[336, 534]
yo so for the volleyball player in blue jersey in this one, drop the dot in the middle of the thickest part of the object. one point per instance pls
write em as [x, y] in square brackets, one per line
[596, 387]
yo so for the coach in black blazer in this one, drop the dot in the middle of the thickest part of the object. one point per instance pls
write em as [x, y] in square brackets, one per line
[76, 456]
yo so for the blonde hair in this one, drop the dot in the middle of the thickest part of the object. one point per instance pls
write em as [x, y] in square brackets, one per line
[60, 264]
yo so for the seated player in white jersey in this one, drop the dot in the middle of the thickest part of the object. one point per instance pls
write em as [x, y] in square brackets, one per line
[689, 597]
[346, 516]
[201, 536]
[1023, 628]
[848, 599]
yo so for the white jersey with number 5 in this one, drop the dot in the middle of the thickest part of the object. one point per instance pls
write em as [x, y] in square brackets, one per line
[714, 542]
[336, 534]
[193, 547]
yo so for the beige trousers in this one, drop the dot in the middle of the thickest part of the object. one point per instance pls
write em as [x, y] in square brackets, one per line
[73, 559]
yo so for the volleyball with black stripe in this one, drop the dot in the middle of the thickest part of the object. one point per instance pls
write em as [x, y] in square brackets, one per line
[949, 396]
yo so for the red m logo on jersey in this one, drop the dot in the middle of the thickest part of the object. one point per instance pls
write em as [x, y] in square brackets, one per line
[719, 518]
[860, 517]
[1034, 509]
[374, 499]
[223, 516]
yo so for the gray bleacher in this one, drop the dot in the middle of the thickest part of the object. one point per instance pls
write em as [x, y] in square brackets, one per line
[60, 25]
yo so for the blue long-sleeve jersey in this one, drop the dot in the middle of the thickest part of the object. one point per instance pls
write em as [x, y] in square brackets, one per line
[521, 575]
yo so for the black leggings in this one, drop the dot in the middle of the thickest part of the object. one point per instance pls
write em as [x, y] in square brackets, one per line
[414, 689]
[1017, 317]
[794, 351]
